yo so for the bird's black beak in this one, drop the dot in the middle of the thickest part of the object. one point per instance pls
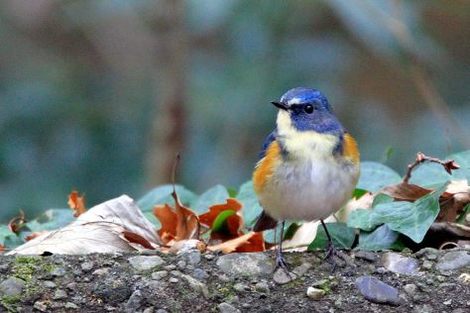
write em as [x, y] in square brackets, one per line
[280, 105]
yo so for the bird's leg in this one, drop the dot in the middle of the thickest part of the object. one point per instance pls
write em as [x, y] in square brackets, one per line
[280, 262]
[330, 247]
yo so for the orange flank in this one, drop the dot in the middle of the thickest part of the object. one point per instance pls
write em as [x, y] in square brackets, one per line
[265, 167]
[350, 150]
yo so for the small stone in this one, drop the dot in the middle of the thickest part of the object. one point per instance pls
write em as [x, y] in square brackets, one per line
[170, 267]
[447, 302]
[49, 284]
[12, 287]
[464, 278]
[87, 266]
[366, 255]
[58, 272]
[149, 310]
[322, 283]
[176, 273]
[440, 278]
[239, 287]
[101, 271]
[428, 253]
[425, 308]
[200, 274]
[410, 289]
[40, 306]
[161, 311]
[262, 287]
[302, 269]
[377, 291]
[380, 270]
[453, 261]
[196, 285]
[59, 294]
[427, 265]
[246, 264]
[144, 263]
[224, 307]
[71, 286]
[134, 301]
[181, 264]
[71, 306]
[192, 257]
[399, 264]
[281, 277]
[314, 293]
[159, 275]
[173, 280]
[209, 256]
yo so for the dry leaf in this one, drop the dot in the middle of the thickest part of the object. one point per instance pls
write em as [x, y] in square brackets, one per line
[16, 223]
[2, 249]
[177, 224]
[405, 191]
[99, 230]
[77, 203]
[36, 234]
[249, 242]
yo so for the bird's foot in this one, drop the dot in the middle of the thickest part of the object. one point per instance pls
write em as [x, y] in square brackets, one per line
[331, 254]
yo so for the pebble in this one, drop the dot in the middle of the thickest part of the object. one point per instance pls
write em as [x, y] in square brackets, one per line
[377, 291]
[59, 294]
[281, 277]
[239, 287]
[410, 289]
[87, 266]
[144, 263]
[49, 284]
[40, 306]
[246, 264]
[71, 306]
[302, 269]
[58, 272]
[101, 271]
[159, 275]
[196, 285]
[134, 302]
[200, 274]
[366, 255]
[315, 293]
[71, 286]
[192, 257]
[209, 256]
[428, 253]
[173, 280]
[453, 260]
[427, 265]
[225, 307]
[262, 287]
[399, 264]
[170, 267]
[11, 287]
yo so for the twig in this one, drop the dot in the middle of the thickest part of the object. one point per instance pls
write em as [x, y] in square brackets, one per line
[448, 165]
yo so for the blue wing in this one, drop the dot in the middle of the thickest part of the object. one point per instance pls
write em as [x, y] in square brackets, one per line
[270, 138]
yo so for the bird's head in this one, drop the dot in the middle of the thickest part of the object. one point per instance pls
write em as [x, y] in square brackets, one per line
[306, 109]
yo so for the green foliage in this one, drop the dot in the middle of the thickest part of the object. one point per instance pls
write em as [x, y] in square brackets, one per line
[220, 220]
[343, 237]
[162, 195]
[51, 219]
[375, 176]
[412, 219]
[382, 238]
[215, 195]
[251, 207]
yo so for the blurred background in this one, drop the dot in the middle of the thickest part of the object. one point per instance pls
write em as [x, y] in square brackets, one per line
[101, 95]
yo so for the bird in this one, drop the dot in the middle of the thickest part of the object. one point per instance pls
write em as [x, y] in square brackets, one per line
[308, 166]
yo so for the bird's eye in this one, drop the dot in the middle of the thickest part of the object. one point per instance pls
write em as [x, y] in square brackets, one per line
[308, 109]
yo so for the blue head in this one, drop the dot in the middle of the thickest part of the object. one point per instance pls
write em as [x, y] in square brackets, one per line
[309, 110]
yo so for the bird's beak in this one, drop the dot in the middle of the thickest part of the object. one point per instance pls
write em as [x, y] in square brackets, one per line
[280, 105]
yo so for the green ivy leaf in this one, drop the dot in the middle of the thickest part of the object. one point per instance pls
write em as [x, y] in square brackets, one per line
[343, 237]
[382, 238]
[51, 219]
[463, 215]
[220, 220]
[215, 195]
[5, 233]
[362, 219]
[381, 198]
[162, 195]
[358, 192]
[272, 235]
[251, 207]
[429, 175]
[374, 176]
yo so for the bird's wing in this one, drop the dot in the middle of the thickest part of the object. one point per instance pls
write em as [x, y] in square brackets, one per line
[269, 139]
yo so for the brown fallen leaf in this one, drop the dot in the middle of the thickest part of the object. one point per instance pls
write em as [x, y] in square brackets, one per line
[35, 234]
[177, 224]
[233, 224]
[2, 249]
[250, 242]
[77, 203]
[16, 223]
[134, 238]
[405, 191]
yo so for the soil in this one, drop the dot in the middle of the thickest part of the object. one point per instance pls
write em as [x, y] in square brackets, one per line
[110, 283]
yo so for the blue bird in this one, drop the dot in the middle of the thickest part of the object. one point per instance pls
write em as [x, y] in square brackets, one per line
[308, 167]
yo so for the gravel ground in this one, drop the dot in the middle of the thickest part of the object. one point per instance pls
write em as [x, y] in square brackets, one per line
[427, 281]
